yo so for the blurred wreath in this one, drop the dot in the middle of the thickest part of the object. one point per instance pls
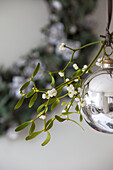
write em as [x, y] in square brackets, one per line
[68, 23]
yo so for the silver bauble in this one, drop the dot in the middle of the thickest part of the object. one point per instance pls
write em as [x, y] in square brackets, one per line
[98, 96]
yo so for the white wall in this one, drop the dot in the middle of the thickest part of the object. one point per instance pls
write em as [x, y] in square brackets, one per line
[20, 25]
[70, 147]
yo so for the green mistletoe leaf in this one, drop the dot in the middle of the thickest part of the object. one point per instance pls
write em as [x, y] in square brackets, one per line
[51, 101]
[76, 73]
[53, 81]
[55, 104]
[40, 107]
[59, 118]
[25, 86]
[32, 128]
[76, 123]
[29, 94]
[59, 91]
[77, 108]
[49, 124]
[67, 113]
[90, 72]
[46, 109]
[32, 101]
[47, 139]
[20, 102]
[22, 126]
[81, 118]
[41, 113]
[36, 70]
[63, 103]
[33, 135]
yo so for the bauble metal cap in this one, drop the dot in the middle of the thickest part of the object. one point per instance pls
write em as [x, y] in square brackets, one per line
[107, 64]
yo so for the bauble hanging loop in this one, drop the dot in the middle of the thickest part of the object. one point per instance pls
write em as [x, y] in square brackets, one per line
[110, 52]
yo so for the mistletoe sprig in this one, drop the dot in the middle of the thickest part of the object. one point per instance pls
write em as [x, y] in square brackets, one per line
[52, 97]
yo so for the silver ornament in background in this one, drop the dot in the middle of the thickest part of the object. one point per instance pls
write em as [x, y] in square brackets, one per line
[98, 96]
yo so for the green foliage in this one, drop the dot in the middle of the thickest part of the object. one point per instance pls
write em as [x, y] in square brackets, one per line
[81, 118]
[22, 126]
[53, 81]
[59, 91]
[55, 104]
[63, 103]
[76, 73]
[33, 135]
[59, 118]
[29, 94]
[32, 100]
[76, 10]
[36, 70]
[49, 124]
[50, 101]
[47, 139]
[25, 86]
[77, 108]
[40, 107]
[32, 128]
[90, 72]
[74, 92]
[67, 113]
[40, 114]
[76, 123]
[20, 102]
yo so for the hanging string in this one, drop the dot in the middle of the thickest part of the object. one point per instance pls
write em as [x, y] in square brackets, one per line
[108, 23]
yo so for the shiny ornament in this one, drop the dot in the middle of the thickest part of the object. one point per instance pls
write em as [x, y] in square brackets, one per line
[98, 97]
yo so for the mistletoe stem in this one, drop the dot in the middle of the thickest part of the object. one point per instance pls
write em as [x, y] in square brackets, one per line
[84, 46]
[72, 56]
[102, 46]
[63, 96]
[91, 63]
[66, 66]
[44, 125]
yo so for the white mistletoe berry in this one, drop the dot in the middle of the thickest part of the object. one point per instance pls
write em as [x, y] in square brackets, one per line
[76, 80]
[83, 104]
[67, 80]
[99, 60]
[84, 68]
[63, 111]
[52, 92]
[44, 96]
[42, 117]
[79, 89]
[77, 99]
[62, 47]
[99, 64]
[61, 74]
[71, 91]
[75, 66]
[70, 88]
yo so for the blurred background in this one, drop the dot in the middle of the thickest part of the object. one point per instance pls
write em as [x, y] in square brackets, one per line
[31, 32]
